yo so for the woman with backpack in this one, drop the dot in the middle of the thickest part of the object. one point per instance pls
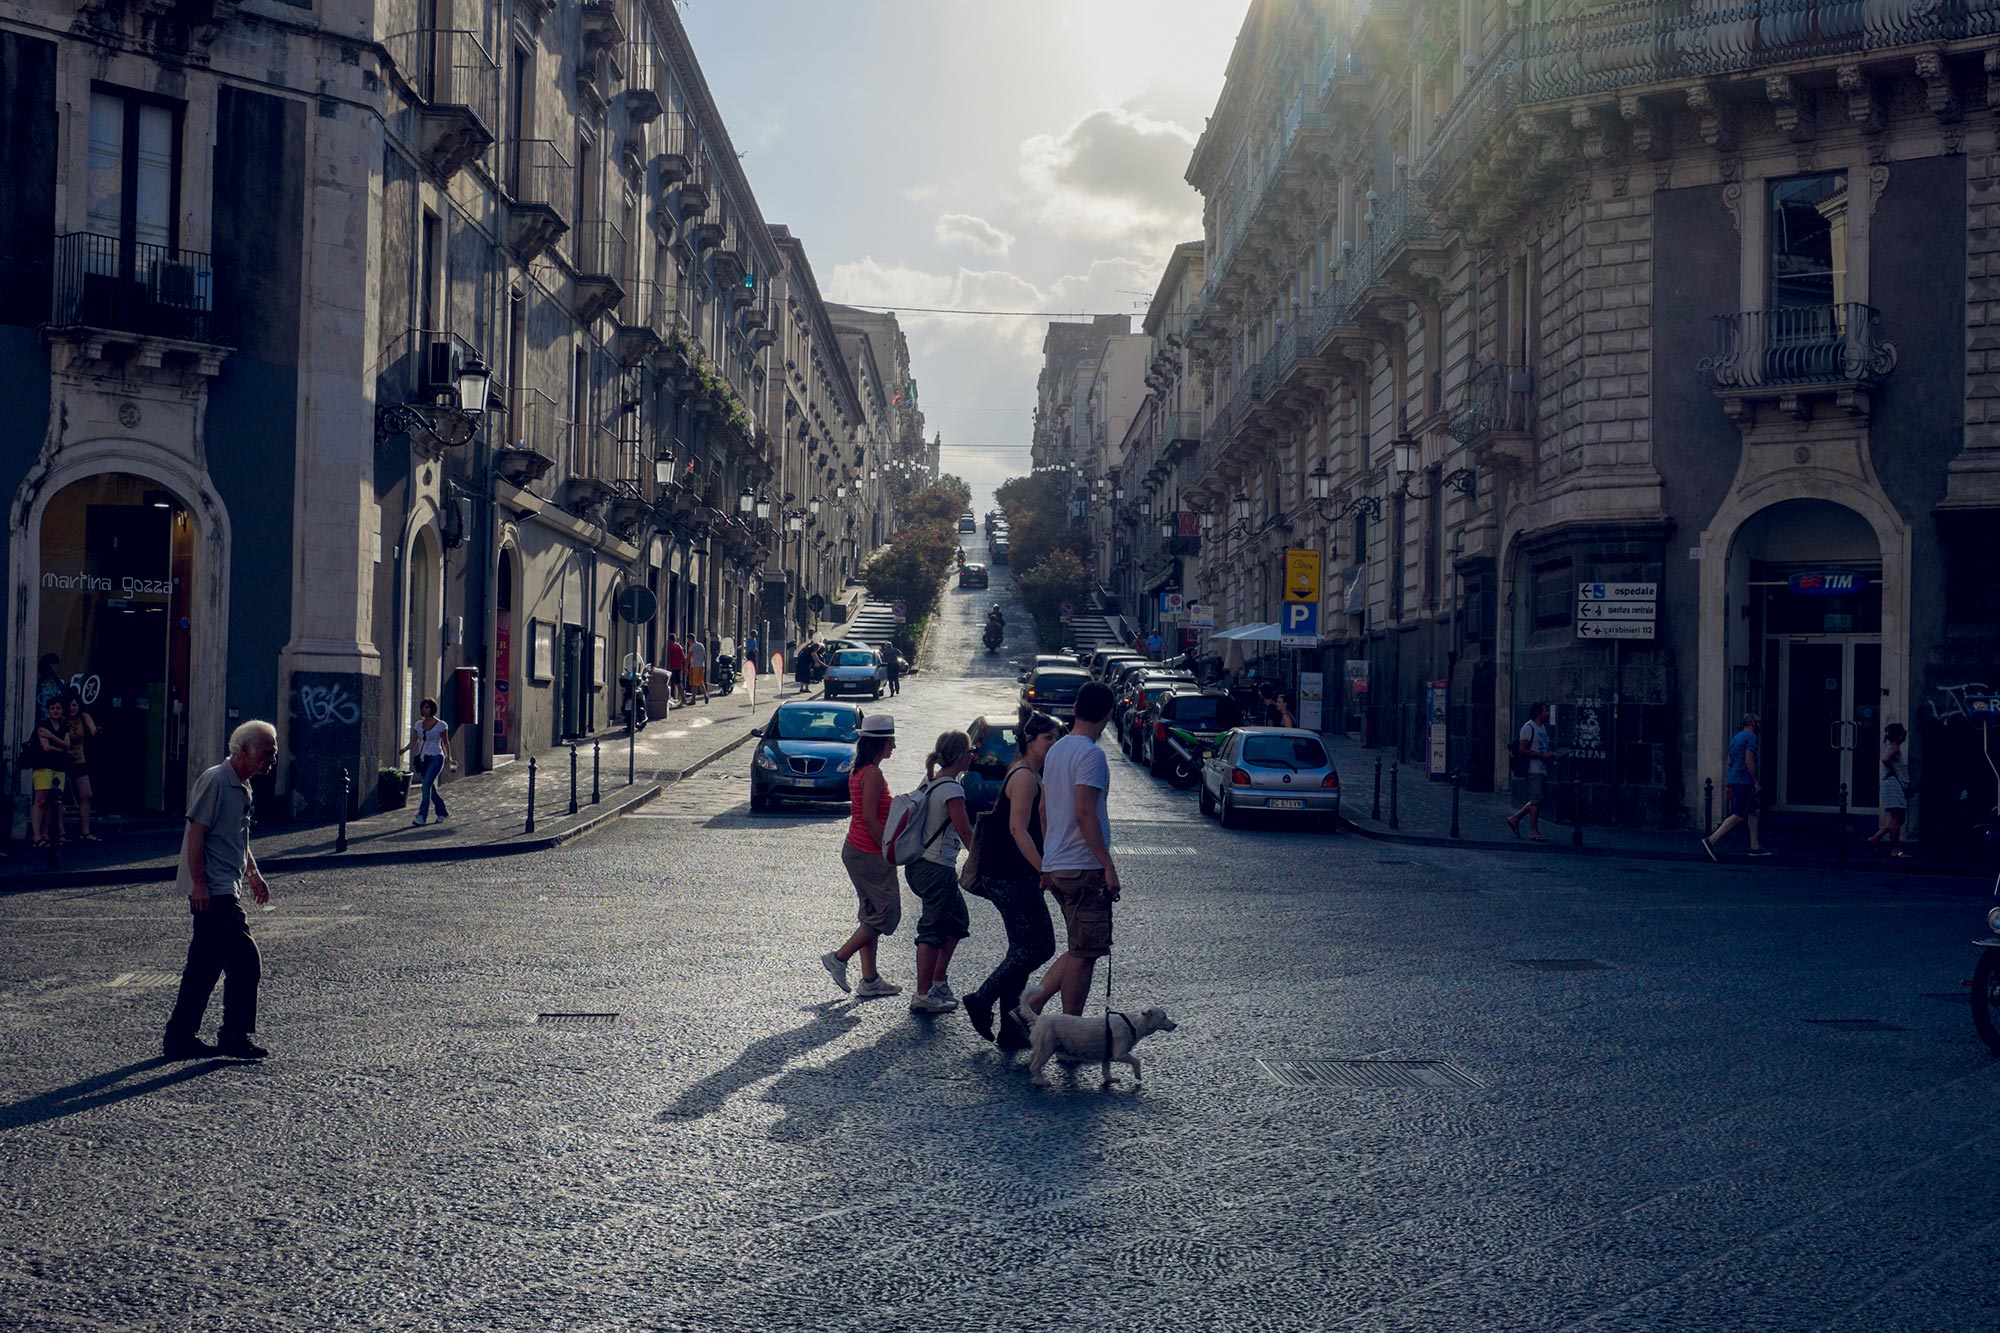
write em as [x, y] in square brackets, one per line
[1007, 859]
[933, 873]
[873, 876]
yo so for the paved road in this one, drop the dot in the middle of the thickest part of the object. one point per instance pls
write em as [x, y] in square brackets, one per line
[1668, 1141]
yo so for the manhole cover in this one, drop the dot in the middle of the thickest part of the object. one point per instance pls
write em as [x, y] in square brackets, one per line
[134, 980]
[576, 1020]
[1366, 1074]
[1856, 1024]
[1561, 964]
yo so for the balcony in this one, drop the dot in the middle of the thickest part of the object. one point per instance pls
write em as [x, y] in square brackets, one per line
[139, 303]
[1637, 42]
[592, 468]
[693, 199]
[541, 437]
[601, 274]
[1790, 356]
[1495, 417]
[455, 82]
[1180, 434]
[1479, 113]
[642, 323]
[602, 29]
[539, 188]
[1261, 196]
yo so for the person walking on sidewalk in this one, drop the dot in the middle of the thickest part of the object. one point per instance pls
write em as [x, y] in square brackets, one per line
[1895, 797]
[430, 750]
[750, 651]
[1533, 747]
[874, 878]
[215, 866]
[1009, 843]
[1076, 853]
[1745, 788]
[892, 661]
[697, 667]
[933, 876]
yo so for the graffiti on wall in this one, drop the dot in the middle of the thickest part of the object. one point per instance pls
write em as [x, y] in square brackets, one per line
[1973, 700]
[327, 705]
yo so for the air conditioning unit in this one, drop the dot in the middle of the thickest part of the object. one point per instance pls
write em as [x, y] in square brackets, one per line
[181, 286]
[442, 360]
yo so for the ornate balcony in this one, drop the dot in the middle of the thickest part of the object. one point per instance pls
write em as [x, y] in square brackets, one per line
[455, 84]
[1790, 356]
[600, 269]
[142, 303]
[538, 189]
[542, 435]
[1495, 417]
[1180, 434]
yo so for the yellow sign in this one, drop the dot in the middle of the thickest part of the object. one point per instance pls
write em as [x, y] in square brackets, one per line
[1301, 575]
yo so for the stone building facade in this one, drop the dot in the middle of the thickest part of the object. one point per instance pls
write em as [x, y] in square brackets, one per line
[1502, 302]
[265, 250]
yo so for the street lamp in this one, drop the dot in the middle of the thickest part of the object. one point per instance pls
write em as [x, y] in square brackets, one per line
[1319, 483]
[1167, 526]
[1461, 480]
[840, 492]
[1239, 510]
[814, 504]
[763, 506]
[1145, 507]
[663, 468]
[746, 501]
[449, 424]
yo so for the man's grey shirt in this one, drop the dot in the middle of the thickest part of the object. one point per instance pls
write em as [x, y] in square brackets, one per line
[220, 802]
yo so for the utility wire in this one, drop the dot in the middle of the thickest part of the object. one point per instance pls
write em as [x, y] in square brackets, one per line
[1007, 314]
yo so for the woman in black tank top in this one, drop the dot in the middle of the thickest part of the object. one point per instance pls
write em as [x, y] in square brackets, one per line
[1010, 877]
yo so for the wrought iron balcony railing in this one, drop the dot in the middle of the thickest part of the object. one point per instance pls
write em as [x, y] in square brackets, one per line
[1497, 399]
[538, 173]
[108, 283]
[1479, 113]
[447, 67]
[1633, 42]
[1798, 347]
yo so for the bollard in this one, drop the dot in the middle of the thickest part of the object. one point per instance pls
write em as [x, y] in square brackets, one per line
[593, 770]
[572, 777]
[1394, 769]
[1376, 811]
[1454, 803]
[1843, 821]
[346, 791]
[1707, 804]
[1576, 796]
[531, 795]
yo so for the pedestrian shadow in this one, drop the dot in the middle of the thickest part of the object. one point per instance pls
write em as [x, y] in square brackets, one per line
[105, 1089]
[763, 1058]
[816, 1099]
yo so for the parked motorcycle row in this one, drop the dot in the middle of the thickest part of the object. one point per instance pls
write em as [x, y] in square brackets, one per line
[636, 689]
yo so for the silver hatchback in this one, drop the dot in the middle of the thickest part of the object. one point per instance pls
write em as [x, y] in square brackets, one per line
[1282, 770]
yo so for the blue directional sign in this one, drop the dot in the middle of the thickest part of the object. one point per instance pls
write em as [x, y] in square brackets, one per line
[1299, 627]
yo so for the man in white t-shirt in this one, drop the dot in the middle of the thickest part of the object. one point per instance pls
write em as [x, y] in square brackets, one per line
[1076, 853]
[1533, 746]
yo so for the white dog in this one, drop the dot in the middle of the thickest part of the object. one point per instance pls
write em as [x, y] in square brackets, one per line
[1081, 1039]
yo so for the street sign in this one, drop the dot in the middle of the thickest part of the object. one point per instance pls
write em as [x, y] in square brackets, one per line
[817, 603]
[1171, 603]
[900, 611]
[1618, 592]
[1614, 629]
[1298, 626]
[1616, 610]
[636, 605]
[1199, 616]
[1301, 575]
[1067, 609]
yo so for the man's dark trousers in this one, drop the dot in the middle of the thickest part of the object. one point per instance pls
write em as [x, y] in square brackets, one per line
[221, 946]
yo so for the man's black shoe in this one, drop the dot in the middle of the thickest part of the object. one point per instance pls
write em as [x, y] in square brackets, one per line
[194, 1048]
[980, 1010]
[242, 1048]
[1013, 1034]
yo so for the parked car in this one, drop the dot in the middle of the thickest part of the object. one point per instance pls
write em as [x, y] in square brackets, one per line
[856, 671]
[1101, 661]
[804, 753]
[1282, 770]
[998, 550]
[1141, 701]
[1052, 690]
[1066, 661]
[1196, 718]
[972, 576]
[995, 743]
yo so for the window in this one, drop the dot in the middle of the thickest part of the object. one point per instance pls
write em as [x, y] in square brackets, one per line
[1807, 237]
[1554, 594]
[134, 172]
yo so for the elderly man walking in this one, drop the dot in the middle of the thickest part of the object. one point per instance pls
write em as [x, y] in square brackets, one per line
[215, 866]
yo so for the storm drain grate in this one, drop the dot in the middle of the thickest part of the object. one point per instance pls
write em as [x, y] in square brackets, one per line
[1561, 964]
[1367, 1074]
[576, 1020]
[135, 980]
[1856, 1025]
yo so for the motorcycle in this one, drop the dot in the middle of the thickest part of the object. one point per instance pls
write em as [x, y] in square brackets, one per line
[725, 673]
[1189, 750]
[994, 634]
[636, 692]
[1986, 980]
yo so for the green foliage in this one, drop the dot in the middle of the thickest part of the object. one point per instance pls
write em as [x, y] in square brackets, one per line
[1038, 526]
[940, 502]
[911, 569]
[1059, 578]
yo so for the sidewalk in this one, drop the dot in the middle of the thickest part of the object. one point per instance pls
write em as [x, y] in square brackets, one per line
[488, 810]
[1423, 816]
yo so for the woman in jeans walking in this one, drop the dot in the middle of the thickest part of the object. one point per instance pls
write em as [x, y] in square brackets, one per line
[1010, 876]
[430, 746]
[933, 877]
[874, 878]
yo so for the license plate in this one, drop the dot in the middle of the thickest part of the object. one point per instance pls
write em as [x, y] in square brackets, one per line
[1287, 804]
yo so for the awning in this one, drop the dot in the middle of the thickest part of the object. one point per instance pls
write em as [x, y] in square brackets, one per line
[1165, 576]
[1253, 633]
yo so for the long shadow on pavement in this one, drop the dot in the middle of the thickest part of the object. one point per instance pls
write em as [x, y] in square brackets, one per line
[763, 1058]
[104, 1090]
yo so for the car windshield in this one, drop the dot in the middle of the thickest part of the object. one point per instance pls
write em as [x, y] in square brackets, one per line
[996, 747]
[806, 722]
[1210, 712]
[856, 659]
[1059, 688]
[1296, 752]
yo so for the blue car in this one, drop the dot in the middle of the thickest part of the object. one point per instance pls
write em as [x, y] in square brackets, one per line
[995, 743]
[804, 754]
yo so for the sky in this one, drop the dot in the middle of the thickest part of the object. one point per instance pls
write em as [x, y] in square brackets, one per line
[1027, 155]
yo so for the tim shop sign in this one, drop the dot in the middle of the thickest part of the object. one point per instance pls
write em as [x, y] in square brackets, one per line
[1827, 583]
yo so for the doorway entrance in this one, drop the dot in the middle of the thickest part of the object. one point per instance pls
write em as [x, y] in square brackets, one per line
[504, 722]
[1829, 722]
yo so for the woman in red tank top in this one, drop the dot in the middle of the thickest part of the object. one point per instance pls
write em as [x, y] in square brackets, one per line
[875, 884]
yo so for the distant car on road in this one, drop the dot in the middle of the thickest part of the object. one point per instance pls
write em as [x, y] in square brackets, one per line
[1052, 690]
[972, 576]
[1280, 769]
[995, 743]
[856, 671]
[998, 548]
[966, 523]
[804, 753]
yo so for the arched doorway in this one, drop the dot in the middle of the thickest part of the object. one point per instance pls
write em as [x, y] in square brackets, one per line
[116, 605]
[422, 617]
[1804, 651]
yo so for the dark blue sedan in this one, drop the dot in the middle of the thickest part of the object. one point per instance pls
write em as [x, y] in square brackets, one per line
[995, 743]
[804, 754]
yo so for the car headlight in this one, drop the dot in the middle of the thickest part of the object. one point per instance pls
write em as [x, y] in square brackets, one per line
[766, 758]
[1993, 920]
[843, 766]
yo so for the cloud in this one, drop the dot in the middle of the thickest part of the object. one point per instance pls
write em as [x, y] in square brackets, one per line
[1115, 174]
[972, 232]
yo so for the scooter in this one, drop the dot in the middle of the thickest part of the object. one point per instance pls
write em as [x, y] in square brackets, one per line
[1986, 980]
[635, 695]
[725, 673]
